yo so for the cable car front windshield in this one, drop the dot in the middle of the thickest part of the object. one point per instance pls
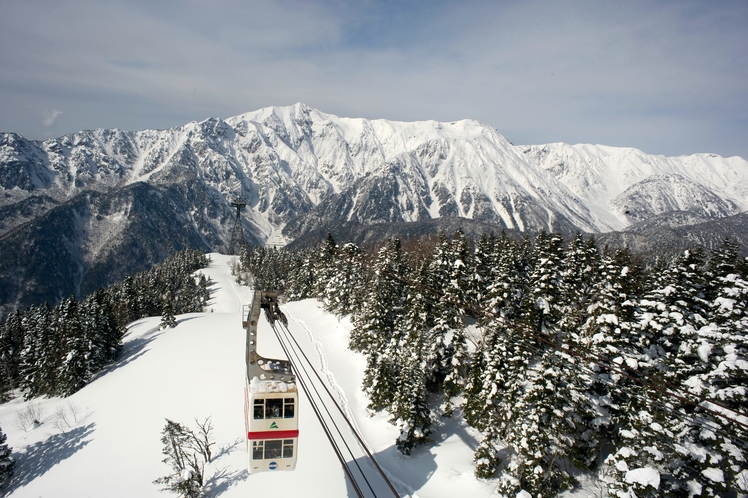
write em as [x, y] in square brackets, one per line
[273, 408]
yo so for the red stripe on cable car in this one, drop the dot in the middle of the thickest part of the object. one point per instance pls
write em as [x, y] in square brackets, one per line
[272, 434]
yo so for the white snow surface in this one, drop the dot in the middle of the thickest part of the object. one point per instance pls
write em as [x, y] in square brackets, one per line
[112, 448]
[714, 474]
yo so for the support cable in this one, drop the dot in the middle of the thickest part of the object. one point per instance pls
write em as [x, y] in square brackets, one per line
[324, 425]
[345, 417]
[288, 349]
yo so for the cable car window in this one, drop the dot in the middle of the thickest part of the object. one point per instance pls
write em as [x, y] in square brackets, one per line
[259, 409]
[257, 450]
[273, 408]
[288, 407]
[288, 448]
[273, 449]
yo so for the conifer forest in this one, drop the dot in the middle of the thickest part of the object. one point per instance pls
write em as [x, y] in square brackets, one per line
[569, 359]
[56, 350]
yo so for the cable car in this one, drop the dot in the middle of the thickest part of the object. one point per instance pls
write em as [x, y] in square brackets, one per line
[270, 398]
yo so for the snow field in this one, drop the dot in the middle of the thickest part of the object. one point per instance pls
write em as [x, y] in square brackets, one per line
[112, 447]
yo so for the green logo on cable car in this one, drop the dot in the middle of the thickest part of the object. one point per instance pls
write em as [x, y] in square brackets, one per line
[273, 426]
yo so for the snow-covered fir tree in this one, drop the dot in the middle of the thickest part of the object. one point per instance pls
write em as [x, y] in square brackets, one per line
[609, 335]
[552, 400]
[447, 316]
[542, 309]
[98, 320]
[378, 321]
[727, 376]
[543, 437]
[495, 388]
[672, 431]
[75, 369]
[127, 296]
[7, 462]
[11, 347]
[456, 301]
[483, 261]
[506, 285]
[168, 320]
[581, 271]
[300, 280]
[710, 435]
[325, 268]
[42, 350]
[345, 278]
[410, 405]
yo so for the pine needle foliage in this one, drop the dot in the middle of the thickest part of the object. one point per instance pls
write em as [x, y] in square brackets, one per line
[7, 462]
[566, 358]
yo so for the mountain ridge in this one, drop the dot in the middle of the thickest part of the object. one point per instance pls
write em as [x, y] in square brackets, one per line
[287, 160]
[300, 171]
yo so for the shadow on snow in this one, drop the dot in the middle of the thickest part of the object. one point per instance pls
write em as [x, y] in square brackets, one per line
[223, 479]
[37, 459]
[133, 350]
[421, 466]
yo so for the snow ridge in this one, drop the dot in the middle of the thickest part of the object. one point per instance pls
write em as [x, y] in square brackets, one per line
[288, 161]
[609, 178]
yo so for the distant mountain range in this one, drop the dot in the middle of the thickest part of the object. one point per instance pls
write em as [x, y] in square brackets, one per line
[82, 210]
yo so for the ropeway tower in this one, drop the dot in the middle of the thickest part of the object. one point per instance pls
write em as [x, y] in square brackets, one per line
[237, 233]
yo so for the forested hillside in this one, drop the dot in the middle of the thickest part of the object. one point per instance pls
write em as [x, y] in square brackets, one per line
[567, 358]
[52, 351]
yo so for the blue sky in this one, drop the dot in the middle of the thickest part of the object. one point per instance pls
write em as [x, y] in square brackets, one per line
[665, 77]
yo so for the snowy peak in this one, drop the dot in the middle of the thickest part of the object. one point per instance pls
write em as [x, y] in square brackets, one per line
[23, 164]
[87, 204]
[296, 162]
[665, 193]
[605, 177]
[441, 169]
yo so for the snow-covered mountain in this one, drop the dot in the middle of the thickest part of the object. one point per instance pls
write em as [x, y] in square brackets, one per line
[287, 160]
[290, 161]
[91, 206]
[624, 185]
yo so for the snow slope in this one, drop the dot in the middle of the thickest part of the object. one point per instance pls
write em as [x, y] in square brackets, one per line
[196, 370]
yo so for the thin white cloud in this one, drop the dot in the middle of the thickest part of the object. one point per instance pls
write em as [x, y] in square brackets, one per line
[578, 71]
[50, 117]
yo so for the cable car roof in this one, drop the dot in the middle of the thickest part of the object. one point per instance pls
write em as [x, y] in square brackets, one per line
[257, 386]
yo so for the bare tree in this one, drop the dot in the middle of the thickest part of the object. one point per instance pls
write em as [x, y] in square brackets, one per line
[186, 452]
[186, 477]
[30, 417]
[203, 438]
